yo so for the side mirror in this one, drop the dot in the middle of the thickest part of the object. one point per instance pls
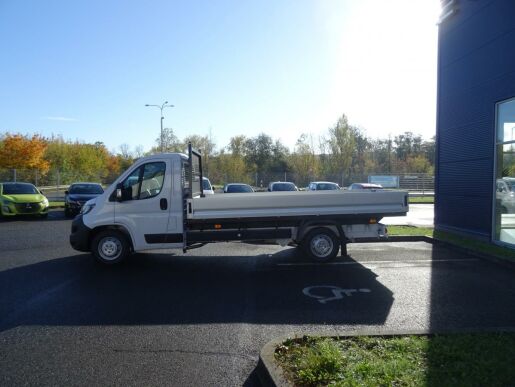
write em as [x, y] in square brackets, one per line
[119, 195]
[41, 191]
[66, 192]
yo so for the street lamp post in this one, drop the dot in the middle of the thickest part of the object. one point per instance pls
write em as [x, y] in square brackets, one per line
[161, 107]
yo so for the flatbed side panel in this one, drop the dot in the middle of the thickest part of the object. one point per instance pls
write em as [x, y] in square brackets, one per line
[291, 204]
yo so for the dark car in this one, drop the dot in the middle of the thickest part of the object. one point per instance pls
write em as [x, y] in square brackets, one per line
[367, 186]
[282, 186]
[78, 194]
[237, 188]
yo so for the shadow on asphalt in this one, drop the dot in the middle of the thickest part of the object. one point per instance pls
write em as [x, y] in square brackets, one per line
[160, 289]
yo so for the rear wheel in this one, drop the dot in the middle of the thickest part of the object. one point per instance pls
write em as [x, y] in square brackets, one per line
[321, 245]
[110, 247]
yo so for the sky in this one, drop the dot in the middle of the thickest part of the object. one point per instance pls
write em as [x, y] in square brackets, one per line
[85, 70]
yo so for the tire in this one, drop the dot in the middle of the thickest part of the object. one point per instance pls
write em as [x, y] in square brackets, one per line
[43, 216]
[321, 245]
[110, 247]
[67, 213]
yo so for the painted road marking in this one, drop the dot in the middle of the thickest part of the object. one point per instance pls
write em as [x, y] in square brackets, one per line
[337, 292]
[376, 262]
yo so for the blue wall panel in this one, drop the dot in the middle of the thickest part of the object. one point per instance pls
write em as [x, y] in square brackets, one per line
[476, 69]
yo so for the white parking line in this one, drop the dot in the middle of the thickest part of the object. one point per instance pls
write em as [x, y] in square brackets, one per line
[376, 262]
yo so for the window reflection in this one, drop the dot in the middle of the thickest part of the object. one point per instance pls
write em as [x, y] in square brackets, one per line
[505, 175]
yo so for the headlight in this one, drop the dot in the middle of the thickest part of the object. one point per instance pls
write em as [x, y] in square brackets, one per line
[86, 208]
[44, 202]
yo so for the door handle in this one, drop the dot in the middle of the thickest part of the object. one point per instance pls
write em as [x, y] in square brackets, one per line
[163, 203]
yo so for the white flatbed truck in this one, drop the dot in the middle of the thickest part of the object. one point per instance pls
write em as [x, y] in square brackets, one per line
[158, 203]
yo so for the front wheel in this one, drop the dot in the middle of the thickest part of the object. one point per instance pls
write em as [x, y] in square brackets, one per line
[321, 245]
[110, 247]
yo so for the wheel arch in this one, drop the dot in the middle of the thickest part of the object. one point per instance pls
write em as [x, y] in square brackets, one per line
[116, 227]
[309, 225]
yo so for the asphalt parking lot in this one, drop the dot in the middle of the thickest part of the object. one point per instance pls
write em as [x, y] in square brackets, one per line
[201, 318]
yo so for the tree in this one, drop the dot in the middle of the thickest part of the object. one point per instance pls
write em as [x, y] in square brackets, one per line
[429, 149]
[23, 152]
[407, 145]
[237, 145]
[418, 164]
[171, 143]
[362, 146]
[206, 145]
[341, 145]
[258, 152]
[279, 161]
[304, 160]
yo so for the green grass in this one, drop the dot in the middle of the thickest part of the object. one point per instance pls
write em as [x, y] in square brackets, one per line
[441, 360]
[410, 230]
[421, 199]
[56, 204]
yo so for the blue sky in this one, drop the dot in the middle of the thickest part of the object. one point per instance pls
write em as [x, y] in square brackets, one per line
[85, 70]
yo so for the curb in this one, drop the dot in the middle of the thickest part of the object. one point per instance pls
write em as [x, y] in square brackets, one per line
[270, 374]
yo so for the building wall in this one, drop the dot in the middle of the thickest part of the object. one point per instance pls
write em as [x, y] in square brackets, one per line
[476, 69]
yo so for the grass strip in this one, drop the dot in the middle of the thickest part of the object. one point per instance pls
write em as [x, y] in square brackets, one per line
[55, 204]
[421, 199]
[484, 359]
[410, 230]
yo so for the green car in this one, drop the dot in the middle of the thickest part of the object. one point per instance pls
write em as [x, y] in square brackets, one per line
[22, 199]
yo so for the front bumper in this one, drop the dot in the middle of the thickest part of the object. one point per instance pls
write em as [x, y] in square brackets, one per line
[79, 237]
[13, 208]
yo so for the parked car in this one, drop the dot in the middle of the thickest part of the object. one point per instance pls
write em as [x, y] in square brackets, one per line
[78, 194]
[22, 199]
[237, 188]
[505, 195]
[367, 186]
[282, 186]
[322, 186]
[207, 188]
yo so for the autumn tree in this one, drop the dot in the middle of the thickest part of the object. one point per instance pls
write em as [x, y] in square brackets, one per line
[23, 152]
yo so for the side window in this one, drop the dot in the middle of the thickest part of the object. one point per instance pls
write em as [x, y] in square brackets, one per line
[130, 186]
[144, 182]
[153, 178]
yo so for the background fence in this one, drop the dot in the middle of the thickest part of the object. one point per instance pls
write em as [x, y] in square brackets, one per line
[55, 182]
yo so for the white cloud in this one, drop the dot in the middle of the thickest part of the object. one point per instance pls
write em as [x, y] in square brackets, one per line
[59, 119]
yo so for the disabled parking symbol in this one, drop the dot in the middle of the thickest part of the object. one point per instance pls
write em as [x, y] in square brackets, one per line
[326, 293]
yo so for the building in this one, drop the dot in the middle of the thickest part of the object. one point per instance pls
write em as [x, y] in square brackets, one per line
[475, 136]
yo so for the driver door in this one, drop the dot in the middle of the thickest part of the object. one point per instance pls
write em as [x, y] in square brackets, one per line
[145, 205]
